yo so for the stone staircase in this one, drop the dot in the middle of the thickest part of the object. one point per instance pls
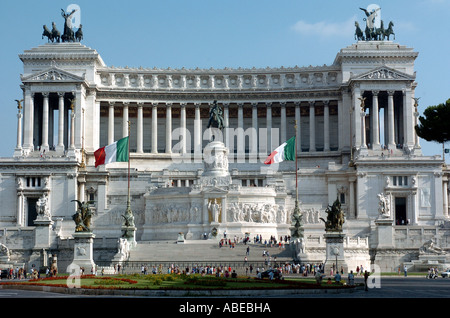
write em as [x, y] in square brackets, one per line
[205, 250]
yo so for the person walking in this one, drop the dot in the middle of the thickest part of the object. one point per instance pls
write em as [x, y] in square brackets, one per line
[351, 278]
[366, 276]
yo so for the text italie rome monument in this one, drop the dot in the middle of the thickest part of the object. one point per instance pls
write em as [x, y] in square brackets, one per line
[195, 166]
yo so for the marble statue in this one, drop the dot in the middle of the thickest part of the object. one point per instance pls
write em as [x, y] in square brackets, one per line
[384, 205]
[42, 207]
[214, 208]
[429, 248]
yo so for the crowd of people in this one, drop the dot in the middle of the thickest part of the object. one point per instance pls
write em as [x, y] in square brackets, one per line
[18, 273]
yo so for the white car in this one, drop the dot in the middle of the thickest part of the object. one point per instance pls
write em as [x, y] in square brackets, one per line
[446, 273]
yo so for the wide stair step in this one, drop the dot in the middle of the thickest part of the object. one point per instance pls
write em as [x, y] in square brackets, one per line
[166, 254]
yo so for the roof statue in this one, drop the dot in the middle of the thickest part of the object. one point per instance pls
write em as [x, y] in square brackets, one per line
[54, 36]
[372, 32]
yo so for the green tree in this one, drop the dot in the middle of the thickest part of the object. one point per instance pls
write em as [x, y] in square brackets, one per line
[435, 124]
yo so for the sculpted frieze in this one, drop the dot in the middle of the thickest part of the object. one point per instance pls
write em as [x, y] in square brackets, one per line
[53, 75]
[257, 213]
[384, 73]
[174, 213]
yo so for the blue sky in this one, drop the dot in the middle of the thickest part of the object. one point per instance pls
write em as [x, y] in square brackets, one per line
[218, 34]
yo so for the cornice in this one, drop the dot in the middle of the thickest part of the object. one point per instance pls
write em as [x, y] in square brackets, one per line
[293, 95]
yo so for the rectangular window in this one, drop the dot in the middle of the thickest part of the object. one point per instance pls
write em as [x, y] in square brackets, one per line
[400, 181]
[342, 198]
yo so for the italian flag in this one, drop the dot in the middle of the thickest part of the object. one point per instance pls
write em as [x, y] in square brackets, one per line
[285, 151]
[115, 152]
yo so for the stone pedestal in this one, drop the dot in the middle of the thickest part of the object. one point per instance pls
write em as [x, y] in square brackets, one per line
[42, 232]
[335, 257]
[385, 233]
[83, 253]
[129, 233]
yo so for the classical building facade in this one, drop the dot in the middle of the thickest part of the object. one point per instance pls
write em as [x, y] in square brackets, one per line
[354, 121]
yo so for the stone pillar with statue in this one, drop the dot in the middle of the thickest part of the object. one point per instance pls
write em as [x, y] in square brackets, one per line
[334, 239]
[83, 253]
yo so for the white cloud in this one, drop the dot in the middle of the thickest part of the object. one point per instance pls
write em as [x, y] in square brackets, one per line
[326, 29]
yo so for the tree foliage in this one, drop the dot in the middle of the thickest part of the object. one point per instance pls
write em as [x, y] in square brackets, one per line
[435, 124]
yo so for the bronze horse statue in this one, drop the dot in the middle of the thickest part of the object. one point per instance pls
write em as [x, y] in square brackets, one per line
[216, 117]
[335, 218]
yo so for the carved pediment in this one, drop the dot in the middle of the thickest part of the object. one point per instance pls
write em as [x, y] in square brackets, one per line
[53, 75]
[384, 73]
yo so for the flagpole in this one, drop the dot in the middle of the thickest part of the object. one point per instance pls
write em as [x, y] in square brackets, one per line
[128, 199]
[296, 168]
[128, 227]
[297, 230]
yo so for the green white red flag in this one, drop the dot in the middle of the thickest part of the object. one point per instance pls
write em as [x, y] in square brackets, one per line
[286, 151]
[115, 152]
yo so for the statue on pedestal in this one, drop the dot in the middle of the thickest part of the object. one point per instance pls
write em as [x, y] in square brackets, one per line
[335, 218]
[42, 208]
[214, 208]
[384, 205]
[83, 216]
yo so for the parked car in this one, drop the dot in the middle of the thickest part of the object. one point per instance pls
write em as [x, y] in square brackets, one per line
[446, 273]
[276, 274]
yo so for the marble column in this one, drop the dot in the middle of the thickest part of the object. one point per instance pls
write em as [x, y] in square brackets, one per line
[111, 123]
[125, 119]
[183, 127]
[363, 129]
[19, 131]
[326, 126]
[197, 131]
[375, 122]
[254, 134]
[391, 130]
[226, 121]
[72, 128]
[240, 131]
[168, 128]
[19, 212]
[298, 130]
[408, 120]
[140, 128]
[283, 122]
[45, 122]
[28, 113]
[352, 198]
[155, 128]
[269, 126]
[81, 188]
[356, 118]
[312, 127]
[60, 146]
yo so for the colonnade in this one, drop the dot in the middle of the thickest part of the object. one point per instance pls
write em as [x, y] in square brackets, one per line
[38, 128]
[398, 119]
[264, 131]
